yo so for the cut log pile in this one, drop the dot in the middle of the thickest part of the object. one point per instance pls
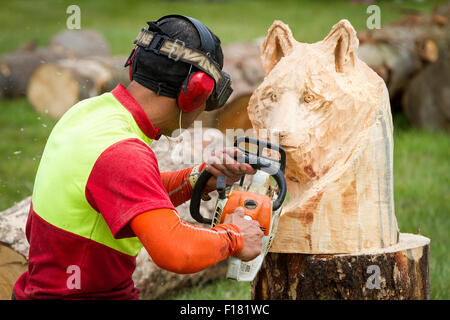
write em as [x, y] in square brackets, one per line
[17, 67]
[56, 86]
[426, 100]
[411, 55]
[401, 49]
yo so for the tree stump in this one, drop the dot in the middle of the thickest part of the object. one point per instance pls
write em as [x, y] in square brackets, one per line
[397, 272]
[331, 113]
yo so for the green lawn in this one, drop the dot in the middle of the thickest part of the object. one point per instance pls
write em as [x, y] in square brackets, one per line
[25, 20]
[421, 159]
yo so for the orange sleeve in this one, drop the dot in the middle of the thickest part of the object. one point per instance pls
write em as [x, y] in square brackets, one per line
[177, 184]
[181, 247]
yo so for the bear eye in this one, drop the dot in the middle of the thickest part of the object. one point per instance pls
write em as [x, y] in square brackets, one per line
[308, 97]
[274, 96]
[271, 94]
[313, 100]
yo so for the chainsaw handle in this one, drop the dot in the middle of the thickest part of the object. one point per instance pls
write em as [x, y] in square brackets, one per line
[281, 181]
[275, 172]
[196, 198]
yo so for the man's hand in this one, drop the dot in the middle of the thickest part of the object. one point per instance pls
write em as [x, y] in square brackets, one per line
[222, 163]
[252, 234]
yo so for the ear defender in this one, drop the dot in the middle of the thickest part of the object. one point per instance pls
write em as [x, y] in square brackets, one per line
[130, 63]
[195, 91]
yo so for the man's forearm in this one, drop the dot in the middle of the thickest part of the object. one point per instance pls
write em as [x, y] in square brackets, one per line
[182, 247]
[178, 185]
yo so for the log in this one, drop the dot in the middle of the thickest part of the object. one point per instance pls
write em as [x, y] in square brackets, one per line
[426, 100]
[331, 113]
[242, 62]
[13, 246]
[80, 43]
[402, 49]
[400, 272]
[17, 67]
[55, 87]
[152, 281]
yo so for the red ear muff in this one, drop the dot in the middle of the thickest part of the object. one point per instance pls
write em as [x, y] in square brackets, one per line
[130, 62]
[195, 91]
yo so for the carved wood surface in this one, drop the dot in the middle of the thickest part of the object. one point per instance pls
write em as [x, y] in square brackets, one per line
[332, 115]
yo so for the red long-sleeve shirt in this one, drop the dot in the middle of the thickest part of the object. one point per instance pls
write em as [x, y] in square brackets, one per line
[178, 246]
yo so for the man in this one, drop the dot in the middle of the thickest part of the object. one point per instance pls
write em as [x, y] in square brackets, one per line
[99, 197]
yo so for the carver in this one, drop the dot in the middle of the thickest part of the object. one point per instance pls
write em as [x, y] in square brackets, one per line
[99, 197]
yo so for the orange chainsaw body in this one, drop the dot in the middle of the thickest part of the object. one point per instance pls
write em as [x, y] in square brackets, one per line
[257, 206]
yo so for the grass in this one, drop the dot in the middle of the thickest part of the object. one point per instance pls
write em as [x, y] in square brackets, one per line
[421, 158]
[222, 289]
[239, 20]
[422, 196]
[24, 133]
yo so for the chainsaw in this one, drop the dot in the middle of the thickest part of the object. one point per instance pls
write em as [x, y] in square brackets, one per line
[261, 199]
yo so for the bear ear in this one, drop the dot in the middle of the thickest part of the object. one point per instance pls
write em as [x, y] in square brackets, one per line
[277, 44]
[343, 42]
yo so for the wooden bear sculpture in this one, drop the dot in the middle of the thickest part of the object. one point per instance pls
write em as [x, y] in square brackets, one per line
[331, 113]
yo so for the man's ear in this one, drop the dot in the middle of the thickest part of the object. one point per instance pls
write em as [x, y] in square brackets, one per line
[343, 42]
[277, 44]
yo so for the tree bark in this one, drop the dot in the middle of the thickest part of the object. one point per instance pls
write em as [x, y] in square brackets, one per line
[17, 67]
[397, 272]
